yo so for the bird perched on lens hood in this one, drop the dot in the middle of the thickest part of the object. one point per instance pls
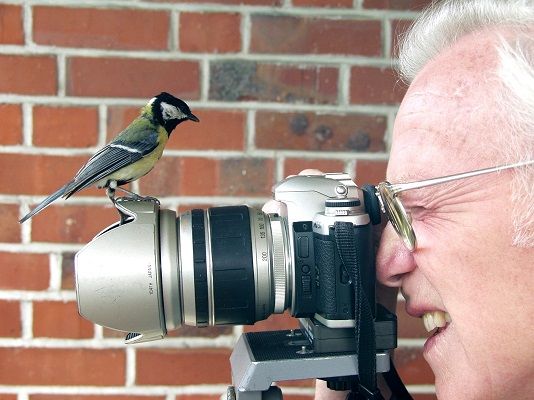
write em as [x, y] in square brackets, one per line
[131, 154]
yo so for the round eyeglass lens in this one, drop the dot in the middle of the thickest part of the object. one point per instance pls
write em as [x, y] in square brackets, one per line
[397, 215]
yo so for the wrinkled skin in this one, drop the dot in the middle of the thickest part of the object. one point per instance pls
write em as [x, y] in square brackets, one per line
[465, 263]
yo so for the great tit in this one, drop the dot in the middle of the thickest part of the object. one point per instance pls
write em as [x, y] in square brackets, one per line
[131, 154]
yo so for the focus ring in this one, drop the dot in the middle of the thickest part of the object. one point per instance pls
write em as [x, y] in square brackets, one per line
[279, 266]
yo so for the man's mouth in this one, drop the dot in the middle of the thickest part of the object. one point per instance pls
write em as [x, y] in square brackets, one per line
[436, 319]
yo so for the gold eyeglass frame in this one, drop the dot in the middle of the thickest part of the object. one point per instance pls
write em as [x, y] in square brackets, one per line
[391, 205]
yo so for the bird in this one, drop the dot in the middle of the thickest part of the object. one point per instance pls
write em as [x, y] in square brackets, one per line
[131, 154]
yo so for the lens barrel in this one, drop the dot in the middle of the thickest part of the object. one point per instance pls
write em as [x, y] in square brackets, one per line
[234, 264]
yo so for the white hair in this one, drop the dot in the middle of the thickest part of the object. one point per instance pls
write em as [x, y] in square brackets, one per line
[440, 26]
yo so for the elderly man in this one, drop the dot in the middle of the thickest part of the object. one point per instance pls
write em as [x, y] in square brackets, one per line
[470, 105]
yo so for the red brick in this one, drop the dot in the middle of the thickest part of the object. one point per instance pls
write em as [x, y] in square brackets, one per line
[24, 271]
[92, 397]
[375, 86]
[56, 319]
[412, 367]
[11, 325]
[273, 323]
[413, 5]
[223, 35]
[38, 174]
[330, 132]
[424, 397]
[67, 272]
[292, 166]
[9, 216]
[11, 117]
[398, 28]
[296, 35]
[208, 177]
[196, 366]
[101, 28]
[28, 74]
[49, 366]
[11, 31]
[65, 126]
[371, 172]
[232, 80]
[323, 3]
[128, 77]
[217, 130]
[72, 224]
[230, 2]
[8, 396]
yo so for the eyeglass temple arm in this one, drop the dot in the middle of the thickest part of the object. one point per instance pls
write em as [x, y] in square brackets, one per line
[401, 187]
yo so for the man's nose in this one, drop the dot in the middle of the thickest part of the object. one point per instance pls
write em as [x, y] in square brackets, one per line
[393, 260]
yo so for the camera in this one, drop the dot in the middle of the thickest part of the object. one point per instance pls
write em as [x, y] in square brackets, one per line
[153, 271]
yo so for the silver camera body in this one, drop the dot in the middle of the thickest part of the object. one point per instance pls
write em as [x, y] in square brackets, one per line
[153, 271]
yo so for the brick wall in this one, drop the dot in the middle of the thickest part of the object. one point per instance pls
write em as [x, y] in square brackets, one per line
[279, 85]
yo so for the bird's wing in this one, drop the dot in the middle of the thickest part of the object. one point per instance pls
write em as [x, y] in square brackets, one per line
[116, 155]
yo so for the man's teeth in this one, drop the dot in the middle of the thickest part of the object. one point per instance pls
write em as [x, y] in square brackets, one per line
[436, 319]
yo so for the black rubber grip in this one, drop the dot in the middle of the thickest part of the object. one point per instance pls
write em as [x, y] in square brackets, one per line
[199, 263]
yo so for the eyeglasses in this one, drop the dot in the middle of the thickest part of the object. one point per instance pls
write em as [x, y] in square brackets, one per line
[391, 205]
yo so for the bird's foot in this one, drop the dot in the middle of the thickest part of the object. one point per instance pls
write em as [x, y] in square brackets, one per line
[111, 194]
[136, 197]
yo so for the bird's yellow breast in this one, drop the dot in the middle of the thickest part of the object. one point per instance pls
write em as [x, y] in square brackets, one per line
[144, 165]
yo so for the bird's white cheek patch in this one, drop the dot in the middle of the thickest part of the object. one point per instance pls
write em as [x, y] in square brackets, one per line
[171, 112]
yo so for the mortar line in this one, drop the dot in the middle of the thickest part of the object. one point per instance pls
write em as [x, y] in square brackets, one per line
[61, 75]
[26, 316]
[55, 261]
[27, 124]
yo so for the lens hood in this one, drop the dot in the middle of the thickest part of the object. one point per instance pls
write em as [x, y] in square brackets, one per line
[118, 274]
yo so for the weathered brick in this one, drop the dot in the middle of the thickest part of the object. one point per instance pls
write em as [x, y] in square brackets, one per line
[49, 366]
[65, 126]
[412, 367]
[38, 174]
[323, 3]
[57, 319]
[292, 166]
[24, 271]
[11, 322]
[129, 77]
[9, 216]
[370, 171]
[101, 28]
[208, 177]
[247, 80]
[217, 130]
[302, 35]
[273, 323]
[92, 397]
[11, 117]
[67, 271]
[11, 31]
[5, 396]
[159, 366]
[72, 224]
[370, 85]
[231, 2]
[413, 5]
[28, 74]
[223, 35]
[331, 132]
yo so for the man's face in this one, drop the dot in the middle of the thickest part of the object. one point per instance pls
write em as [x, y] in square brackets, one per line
[464, 263]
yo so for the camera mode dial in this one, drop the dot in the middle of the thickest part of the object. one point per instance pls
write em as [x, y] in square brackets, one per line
[339, 207]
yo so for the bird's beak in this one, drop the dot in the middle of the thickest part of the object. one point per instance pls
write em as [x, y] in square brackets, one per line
[193, 118]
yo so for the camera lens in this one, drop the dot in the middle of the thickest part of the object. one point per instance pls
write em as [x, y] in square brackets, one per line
[154, 270]
[234, 265]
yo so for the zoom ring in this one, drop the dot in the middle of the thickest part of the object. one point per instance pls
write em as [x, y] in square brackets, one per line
[279, 266]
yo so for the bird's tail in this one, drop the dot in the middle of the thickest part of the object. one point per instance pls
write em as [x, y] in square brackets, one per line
[46, 202]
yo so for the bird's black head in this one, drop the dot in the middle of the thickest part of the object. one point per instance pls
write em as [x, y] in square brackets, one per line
[169, 111]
